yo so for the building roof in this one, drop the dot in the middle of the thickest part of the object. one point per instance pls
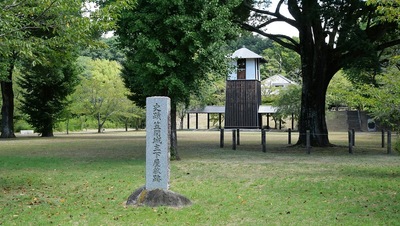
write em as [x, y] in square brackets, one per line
[209, 109]
[245, 53]
[278, 79]
[263, 109]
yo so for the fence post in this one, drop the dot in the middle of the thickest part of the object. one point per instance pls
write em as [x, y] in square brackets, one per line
[289, 136]
[262, 135]
[233, 139]
[221, 138]
[197, 120]
[208, 120]
[263, 140]
[389, 142]
[238, 136]
[350, 135]
[188, 120]
[308, 141]
[219, 120]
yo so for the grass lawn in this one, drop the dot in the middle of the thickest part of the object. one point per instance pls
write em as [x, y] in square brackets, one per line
[85, 179]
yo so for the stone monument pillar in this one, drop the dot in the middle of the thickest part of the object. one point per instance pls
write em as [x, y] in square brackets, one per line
[158, 130]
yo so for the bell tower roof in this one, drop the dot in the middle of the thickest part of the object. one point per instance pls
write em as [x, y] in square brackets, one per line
[245, 53]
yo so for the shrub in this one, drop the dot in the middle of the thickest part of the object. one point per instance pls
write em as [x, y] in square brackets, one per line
[397, 145]
[22, 125]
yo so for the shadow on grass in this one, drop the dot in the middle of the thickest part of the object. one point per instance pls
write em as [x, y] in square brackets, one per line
[127, 146]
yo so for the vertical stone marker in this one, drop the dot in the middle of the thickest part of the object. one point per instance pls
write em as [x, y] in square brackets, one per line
[157, 142]
[158, 129]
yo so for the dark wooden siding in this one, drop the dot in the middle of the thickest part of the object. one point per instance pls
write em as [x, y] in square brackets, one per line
[243, 97]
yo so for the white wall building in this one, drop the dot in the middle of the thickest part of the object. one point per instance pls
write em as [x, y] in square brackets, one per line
[273, 84]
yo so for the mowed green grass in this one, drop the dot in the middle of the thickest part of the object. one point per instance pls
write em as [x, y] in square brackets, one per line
[85, 179]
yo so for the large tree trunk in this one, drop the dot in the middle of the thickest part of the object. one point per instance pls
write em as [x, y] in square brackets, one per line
[7, 110]
[48, 129]
[174, 137]
[312, 115]
[318, 68]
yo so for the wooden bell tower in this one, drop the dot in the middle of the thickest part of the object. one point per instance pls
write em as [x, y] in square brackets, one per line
[243, 91]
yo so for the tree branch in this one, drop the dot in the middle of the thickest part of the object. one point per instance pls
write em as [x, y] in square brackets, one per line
[388, 44]
[23, 28]
[377, 31]
[294, 9]
[45, 10]
[283, 40]
[278, 17]
[13, 5]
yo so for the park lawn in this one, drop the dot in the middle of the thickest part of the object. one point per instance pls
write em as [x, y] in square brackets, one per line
[85, 179]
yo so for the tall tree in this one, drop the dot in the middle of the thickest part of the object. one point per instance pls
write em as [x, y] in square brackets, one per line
[7, 94]
[22, 26]
[46, 87]
[101, 92]
[332, 35]
[171, 48]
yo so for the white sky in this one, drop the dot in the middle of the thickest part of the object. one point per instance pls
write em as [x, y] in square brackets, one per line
[280, 27]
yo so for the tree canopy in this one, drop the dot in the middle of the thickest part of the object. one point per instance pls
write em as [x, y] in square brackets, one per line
[29, 29]
[45, 90]
[171, 47]
[101, 92]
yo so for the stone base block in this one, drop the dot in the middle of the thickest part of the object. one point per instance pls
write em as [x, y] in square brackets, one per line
[157, 197]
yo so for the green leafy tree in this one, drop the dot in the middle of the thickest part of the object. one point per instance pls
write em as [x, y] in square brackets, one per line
[381, 97]
[288, 102]
[332, 35]
[131, 115]
[252, 42]
[282, 61]
[46, 87]
[101, 93]
[26, 29]
[210, 92]
[388, 9]
[340, 91]
[384, 101]
[109, 50]
[172, 46]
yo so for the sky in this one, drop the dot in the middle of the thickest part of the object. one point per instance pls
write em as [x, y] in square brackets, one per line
[280, 27]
